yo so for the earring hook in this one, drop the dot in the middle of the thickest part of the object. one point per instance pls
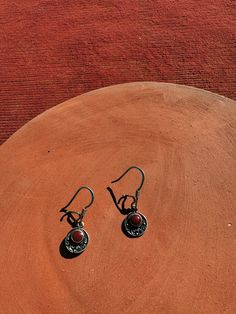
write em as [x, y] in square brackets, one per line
[81, 215]
[140, 186]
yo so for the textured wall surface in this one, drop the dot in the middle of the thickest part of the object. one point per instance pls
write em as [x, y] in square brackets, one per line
[54, 50]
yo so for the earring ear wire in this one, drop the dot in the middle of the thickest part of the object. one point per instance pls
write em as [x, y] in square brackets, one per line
[137, 193]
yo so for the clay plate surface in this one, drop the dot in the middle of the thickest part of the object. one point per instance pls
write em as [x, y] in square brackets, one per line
[184, 139]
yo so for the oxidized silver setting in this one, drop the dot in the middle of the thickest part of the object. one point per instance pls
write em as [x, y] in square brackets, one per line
[135, 231]
[74, 247]
[135, 224]
[77, 239]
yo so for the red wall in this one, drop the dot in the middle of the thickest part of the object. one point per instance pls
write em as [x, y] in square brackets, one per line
[54, 50]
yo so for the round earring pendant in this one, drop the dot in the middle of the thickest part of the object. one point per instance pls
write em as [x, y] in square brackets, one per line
[76, 240]
[135, 224]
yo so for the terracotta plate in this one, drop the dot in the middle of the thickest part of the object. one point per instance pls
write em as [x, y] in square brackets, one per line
[184, 139]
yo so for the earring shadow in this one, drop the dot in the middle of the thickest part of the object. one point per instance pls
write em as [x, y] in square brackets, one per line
[65, 253]
[125, 232]
[122, 209]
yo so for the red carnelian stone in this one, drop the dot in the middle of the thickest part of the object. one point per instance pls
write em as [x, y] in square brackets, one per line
[136, 220]
[77, 236]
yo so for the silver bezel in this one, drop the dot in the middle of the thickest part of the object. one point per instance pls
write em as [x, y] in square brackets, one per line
[73, 247]
[133, 231]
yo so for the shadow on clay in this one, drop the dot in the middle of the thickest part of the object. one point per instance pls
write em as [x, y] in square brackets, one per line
[120, 203]
[65, 253]
[125, 232]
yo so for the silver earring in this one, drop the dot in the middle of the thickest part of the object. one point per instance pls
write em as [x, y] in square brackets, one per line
[77, 239]
[135, 223]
